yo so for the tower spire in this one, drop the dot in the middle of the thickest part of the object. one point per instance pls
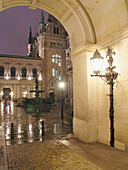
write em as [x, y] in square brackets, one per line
[30, 36]
[42, 19]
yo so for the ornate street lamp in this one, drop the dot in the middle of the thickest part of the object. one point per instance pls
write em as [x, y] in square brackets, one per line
[109, 77]
[97, 62]
[61, 85]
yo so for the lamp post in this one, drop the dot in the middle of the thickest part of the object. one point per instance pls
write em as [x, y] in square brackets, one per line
[109, 77]
[61, 85]
[41, 79]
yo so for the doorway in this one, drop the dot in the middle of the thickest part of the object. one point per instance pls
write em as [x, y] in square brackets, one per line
[6, 93]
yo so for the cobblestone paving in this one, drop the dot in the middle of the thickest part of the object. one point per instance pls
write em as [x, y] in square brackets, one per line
[28, 126]
[2, 157]
[46, 155]
[29, 150]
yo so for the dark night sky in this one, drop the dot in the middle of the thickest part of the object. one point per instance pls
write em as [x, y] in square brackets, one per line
[14, 29]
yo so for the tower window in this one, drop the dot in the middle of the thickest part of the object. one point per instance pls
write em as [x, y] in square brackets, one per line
[56, 59]
[51, 44]
[61, 46]
[57, 30]
[58, 45]
[54, 45]
[53, 72]
[54, 30]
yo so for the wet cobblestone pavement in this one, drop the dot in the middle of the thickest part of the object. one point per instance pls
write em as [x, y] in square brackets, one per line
[46, 155]
[30, 150]
[28, 126]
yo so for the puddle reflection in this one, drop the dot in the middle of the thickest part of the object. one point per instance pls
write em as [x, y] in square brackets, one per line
[28, 126]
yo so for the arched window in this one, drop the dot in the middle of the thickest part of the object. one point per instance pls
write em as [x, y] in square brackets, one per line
[13, 71]
[1, 71]
[34, 72]
[24, 72]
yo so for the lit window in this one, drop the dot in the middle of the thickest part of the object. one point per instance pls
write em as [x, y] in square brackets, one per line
[56, 72]
[53, 72]
[56, 59]
[53, 60]
[59, 77]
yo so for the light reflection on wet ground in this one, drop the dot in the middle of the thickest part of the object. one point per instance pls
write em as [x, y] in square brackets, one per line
[28, 126]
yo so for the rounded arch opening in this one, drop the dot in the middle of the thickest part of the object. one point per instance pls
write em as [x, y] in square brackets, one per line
[73, 16]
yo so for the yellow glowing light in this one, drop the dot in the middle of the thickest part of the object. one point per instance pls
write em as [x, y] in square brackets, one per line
[40, 77]
[29, 78]
[2, 93]
[18, 78]
[61, 84]
[7, 77]
[25, 92]
[11, 93]
[97, 62]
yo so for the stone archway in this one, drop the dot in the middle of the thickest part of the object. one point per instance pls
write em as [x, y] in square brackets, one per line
[90, 25]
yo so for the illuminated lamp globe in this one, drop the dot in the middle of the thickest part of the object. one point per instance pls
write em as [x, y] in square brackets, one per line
[97, 62]
[18, 78]
[61, 85]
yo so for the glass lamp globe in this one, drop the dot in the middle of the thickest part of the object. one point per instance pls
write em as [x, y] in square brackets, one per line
[97, 62]
[61, 85]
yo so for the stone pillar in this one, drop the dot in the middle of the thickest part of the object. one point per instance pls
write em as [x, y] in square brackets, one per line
[15, 92]
[18, 91]
[84, 96]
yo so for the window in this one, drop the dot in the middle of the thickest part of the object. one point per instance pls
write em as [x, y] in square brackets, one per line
[57, 30]
[13, 71]
[53, 72]
[34, 72]
[54, 45]
[59, 77]
[61, 46]
[51, 44]
[56, 59]
[1, 71]
[53, 60]
[54, 30]
[24, 72]
[56, 73]
[58, 45]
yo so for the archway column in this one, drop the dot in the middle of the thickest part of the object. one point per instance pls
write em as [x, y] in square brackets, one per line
[85, 96]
